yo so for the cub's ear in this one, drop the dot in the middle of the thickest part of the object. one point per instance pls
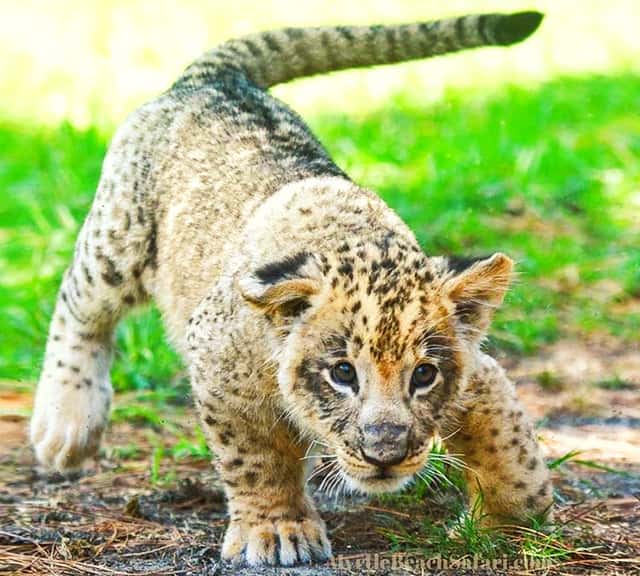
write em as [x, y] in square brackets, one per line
[478, 288]
[283, 287]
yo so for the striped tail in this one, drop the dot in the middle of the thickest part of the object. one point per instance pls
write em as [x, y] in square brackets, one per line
[272, 58]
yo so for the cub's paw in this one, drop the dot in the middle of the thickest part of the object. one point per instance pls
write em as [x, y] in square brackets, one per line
[67, 426]
[277, 542]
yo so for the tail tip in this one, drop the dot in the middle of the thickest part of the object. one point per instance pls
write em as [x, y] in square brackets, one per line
[513, 28]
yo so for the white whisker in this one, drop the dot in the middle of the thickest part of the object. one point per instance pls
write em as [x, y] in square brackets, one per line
[312, 456]
[318, 470]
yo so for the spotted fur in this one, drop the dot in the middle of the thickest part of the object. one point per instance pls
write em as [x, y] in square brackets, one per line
[270, 266]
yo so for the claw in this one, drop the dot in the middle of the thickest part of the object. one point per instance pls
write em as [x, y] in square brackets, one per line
[279, 542]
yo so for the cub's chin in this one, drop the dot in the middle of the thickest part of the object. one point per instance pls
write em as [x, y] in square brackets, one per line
[377, 483]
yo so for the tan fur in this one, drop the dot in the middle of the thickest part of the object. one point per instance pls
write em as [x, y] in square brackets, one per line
[506, 474]
[272, 269]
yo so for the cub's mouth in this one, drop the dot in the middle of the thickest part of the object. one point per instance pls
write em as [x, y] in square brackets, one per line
[364, 477]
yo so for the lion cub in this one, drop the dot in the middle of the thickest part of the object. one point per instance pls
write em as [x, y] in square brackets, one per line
[302, 305]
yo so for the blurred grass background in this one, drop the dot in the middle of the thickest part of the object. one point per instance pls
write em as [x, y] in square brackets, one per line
[532, 150]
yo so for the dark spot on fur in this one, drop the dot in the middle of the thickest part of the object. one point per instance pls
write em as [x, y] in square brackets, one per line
[287, 268]
[311, 380]
[293, 308]
[224, 438]
[152, 246]
[87, 275]
[110, 274]
[469, 311]
[459, 264]
[346, 269]
[346, 33]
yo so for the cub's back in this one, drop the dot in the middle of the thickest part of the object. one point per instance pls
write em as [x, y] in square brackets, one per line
[229, 147]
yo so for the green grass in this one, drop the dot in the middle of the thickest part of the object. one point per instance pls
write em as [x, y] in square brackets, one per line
[432, 519]
[48, 182]
[550, 381]
[163, 458]
[615, 383]
[549, 176]
[572, 457]
[436, 522]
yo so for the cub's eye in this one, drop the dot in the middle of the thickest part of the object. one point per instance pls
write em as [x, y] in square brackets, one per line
[423, 376]
[344, 373]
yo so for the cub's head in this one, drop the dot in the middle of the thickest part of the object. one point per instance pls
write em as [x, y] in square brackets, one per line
[374, 344]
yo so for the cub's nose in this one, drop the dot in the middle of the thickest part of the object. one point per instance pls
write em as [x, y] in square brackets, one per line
[385, 444]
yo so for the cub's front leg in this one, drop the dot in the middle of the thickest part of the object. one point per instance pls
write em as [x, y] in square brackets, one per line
[507, 478]
[272, 518]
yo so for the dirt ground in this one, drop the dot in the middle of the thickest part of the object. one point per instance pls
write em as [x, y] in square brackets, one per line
[133, 513]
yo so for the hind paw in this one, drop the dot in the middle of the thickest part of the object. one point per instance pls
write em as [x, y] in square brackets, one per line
[67, 425]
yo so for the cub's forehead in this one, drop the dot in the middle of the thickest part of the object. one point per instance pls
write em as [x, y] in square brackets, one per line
[385, 297]
[393, 332]
[392, 269]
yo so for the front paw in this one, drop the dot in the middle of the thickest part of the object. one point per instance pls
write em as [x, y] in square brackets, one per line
[273, 542]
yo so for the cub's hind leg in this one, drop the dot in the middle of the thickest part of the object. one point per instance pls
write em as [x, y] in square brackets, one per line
[105, 278]
[74, 391]
[507, 478]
